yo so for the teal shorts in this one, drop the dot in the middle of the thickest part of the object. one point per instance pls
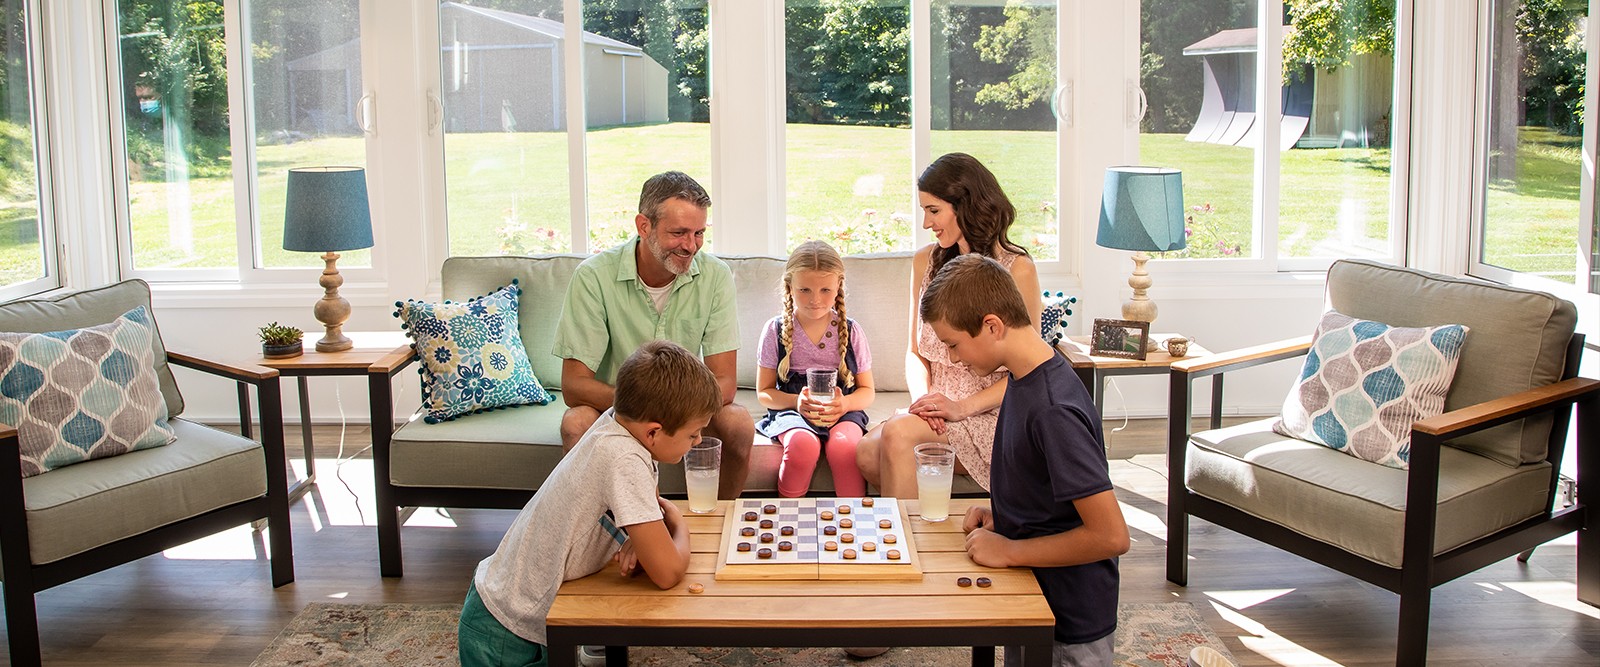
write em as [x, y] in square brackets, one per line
[484, 642]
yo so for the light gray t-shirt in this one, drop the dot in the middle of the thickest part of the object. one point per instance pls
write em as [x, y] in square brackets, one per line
[565, 532]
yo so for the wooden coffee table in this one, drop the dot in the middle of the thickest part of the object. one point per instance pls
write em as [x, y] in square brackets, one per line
[605, 609]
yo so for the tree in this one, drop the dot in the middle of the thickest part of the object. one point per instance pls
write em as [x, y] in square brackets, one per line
[848, 62]
[1027, 38]
[1171, 80]
[1326, 34]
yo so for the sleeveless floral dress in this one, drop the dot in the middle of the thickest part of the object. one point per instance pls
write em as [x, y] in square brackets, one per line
[973, 437]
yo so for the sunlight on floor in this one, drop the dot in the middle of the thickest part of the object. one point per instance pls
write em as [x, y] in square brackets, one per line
[236, 543]
[1561, 594]
[1146, 522]
[1269, 644]
[1247, 599]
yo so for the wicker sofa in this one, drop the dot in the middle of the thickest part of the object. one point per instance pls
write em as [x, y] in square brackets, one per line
[498, 459]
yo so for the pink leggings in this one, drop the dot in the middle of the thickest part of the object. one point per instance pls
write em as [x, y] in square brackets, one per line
[800, 450]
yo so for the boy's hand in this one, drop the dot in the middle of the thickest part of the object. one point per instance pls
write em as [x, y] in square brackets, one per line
[978, 517]
[988, 548]
[670, 514]
[627, 560]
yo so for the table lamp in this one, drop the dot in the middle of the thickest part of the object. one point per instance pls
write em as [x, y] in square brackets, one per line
[1141, 210]
[326, 211]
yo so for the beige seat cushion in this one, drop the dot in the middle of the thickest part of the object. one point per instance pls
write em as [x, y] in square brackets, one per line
[80, 507]
[1353, 504]
[1518, 340]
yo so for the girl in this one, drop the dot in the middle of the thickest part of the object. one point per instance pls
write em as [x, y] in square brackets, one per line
[813, 332]
[965, 208]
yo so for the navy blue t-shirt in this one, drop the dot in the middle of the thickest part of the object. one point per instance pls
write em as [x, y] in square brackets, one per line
[1048, 452]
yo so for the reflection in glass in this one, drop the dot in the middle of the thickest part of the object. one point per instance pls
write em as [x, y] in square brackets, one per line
[1535, 136]
[174, 91]
[504, 123]
[647, 98]
[1338, 102]
[848, 137]
[1198, 73]
[305, 90]
[21, 236]
[994, 74]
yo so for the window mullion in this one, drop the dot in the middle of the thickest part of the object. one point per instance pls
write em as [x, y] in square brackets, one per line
[572, 92]
[240, 130]
[921, 109]
[1269, 91]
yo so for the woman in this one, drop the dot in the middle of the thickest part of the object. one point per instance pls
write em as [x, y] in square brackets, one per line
[967, 211]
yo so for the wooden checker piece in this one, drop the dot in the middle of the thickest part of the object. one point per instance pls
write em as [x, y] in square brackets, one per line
[805, 558]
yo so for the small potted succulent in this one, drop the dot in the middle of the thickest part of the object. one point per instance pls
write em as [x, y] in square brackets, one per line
[280, 342]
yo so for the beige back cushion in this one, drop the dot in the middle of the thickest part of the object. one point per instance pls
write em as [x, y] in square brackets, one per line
[877, 296]
[1518, 340]
[89, 308]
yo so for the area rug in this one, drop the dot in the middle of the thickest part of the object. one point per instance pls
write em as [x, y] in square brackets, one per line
[327, 634]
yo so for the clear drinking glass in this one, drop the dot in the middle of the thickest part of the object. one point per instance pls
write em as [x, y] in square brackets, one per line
[702, 469]
[936, 469]
[821, 381]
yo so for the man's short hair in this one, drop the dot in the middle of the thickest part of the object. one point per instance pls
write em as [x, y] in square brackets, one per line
[970, 287]
[670, 185]
[663, 382]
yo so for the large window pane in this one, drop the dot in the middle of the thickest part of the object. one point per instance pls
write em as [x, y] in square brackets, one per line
[1338, 100]
[175, 98]
[305, 88]
[22, 244]
[1198, 72]
[848, 138]
[1535, 131]
[994, 74]
[504, 89]
[646, 86]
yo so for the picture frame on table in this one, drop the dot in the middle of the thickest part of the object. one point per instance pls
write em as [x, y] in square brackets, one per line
[1123, 339]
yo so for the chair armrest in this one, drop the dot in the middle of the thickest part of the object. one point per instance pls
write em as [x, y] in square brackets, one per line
[1473, 418]
[8, 437]
[1220, 362]
[252, 373]
[393, 361]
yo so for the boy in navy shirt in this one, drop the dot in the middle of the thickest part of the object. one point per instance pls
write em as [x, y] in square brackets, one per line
[1053, 508]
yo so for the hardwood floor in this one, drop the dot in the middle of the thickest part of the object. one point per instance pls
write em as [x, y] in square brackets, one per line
[211, 602]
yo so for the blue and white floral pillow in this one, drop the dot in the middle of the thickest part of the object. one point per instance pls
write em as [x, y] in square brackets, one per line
[1053, 319]
[472, 355]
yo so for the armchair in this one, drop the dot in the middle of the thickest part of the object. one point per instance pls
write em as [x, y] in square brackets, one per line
[1481, 484]
[71, 522]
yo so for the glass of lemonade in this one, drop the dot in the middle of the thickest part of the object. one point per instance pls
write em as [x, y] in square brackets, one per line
[821, 382]
[702, 469]
[936, 469]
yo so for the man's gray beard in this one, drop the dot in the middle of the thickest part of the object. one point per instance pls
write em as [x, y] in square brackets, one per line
[666, 258]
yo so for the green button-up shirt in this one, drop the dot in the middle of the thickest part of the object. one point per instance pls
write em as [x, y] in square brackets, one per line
[607, 314]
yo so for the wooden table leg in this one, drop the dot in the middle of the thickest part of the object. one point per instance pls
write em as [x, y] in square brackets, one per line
[983, 656]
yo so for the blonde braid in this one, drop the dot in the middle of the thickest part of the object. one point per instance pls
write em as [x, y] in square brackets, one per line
[786, 332]
[846, 378]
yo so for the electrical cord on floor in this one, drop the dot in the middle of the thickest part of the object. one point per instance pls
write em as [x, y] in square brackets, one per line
[1123, 401]
[340, 459]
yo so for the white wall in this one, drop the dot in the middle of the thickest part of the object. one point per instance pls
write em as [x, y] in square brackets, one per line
[1219, 310]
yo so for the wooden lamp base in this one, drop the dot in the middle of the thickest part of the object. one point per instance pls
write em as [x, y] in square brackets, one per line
[332, 310]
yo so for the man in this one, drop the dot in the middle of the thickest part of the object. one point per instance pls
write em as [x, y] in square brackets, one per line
[655, 286]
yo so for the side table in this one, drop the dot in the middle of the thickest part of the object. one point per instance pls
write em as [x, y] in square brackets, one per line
[377, 355]
[1093, 370]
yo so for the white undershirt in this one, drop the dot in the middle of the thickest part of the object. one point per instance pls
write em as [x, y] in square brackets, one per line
[658, 295]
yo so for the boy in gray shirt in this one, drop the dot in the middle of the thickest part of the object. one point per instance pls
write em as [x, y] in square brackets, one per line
[602, 494]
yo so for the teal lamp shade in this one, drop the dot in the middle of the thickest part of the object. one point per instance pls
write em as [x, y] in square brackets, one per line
[1142, 209]
[326, 210]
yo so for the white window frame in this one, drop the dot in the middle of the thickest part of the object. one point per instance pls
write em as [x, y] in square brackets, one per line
[1267, 169]
[49, 250]
[1580, 291]
[241, 120]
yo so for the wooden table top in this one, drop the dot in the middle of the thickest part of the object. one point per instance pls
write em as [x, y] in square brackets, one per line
[606, 599]
[371, 347]
[1077, 350]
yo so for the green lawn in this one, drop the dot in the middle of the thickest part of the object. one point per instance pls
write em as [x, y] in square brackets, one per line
[851, 186]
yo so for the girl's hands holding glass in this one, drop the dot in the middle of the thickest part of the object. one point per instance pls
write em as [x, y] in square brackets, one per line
[820, 413]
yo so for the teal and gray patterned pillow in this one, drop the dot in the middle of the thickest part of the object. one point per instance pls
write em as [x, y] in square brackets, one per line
[1365, 383]
[472, 355]
[83, 394]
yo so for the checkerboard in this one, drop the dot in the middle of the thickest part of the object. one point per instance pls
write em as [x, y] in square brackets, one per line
[805, 516]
